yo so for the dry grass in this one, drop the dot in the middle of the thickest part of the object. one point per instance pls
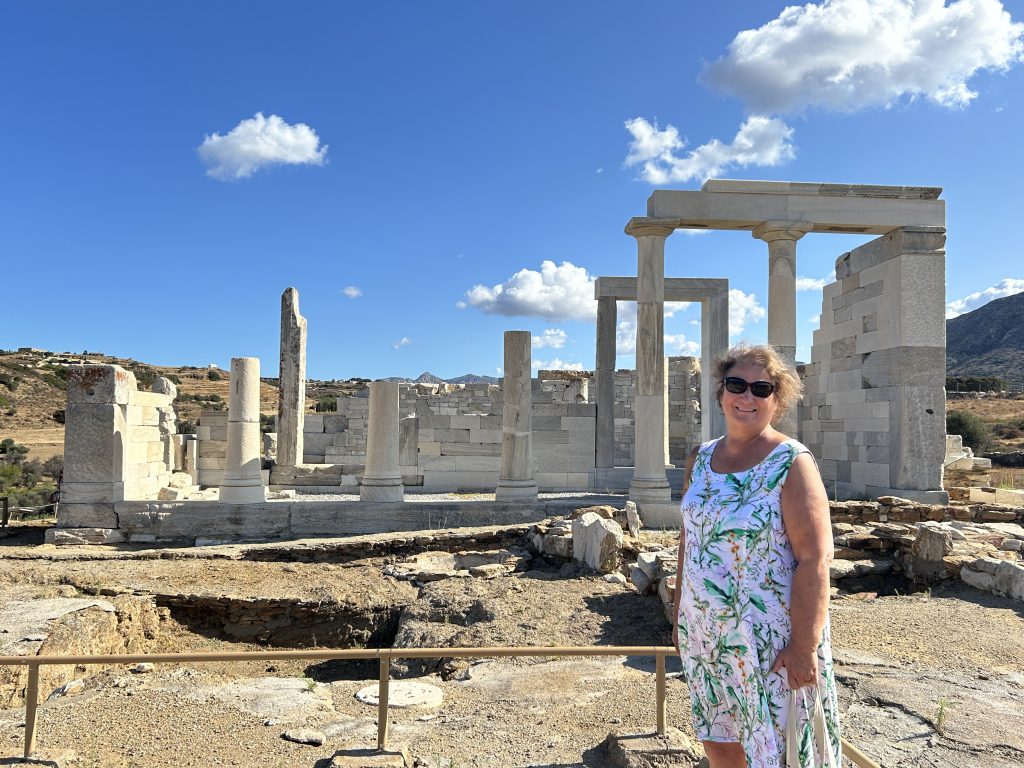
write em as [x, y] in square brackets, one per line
[1012, 479]
[996, 412]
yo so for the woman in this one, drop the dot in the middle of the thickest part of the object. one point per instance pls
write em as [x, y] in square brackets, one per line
[754, 552]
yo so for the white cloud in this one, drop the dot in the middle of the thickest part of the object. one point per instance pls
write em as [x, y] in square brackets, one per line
[550, 337]
[557, 365]
[678, 344]
[258, 142]
[625, 327]
[815, 283]
[852, 54]
[352, 291]
[405, 341]
[562, 292]
[760, 141]
[814, 319]
[1005, 287]
[743, 309]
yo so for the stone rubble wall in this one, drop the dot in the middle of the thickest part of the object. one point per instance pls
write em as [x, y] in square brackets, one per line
[874, 405]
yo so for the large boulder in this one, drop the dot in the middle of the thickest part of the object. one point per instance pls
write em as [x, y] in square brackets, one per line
[597, 542]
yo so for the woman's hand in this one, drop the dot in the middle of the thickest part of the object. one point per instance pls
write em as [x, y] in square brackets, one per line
[801, 666]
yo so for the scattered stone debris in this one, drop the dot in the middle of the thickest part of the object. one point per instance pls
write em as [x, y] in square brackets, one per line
[647, 750]
[434, 566]
[72, 688]
[308, 736]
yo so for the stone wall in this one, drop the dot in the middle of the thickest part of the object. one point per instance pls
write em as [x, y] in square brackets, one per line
[212, 433]
[874, 405]
[683, 408]
[119, 443]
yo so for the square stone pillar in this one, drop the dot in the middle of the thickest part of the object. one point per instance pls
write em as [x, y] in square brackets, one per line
[291, 403]
[714, 337]
[95, 433]
[516, 481]
[604, 372]
[242, 482]
[650, 483]
[382, 479]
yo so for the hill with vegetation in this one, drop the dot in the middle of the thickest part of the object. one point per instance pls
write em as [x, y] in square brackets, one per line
[988, 341]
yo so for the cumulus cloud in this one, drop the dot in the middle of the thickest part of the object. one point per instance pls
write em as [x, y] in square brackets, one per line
[1005, 287]
[625, 327]
[743, 309]
[556, 292]
[852, 54]
[760, 141]
[556, 365]
[405, 341]
[259, 142]
[678, 344]
[352, 291]
[814, 319]
[814, 283]
[554, 338]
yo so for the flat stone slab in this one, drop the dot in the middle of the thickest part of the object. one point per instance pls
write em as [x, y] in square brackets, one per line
[25, 625]
[404, 694]
[645, 750]
[395, 757]
[283, 699]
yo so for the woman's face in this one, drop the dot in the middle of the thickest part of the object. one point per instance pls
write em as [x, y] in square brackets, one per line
[745, 411]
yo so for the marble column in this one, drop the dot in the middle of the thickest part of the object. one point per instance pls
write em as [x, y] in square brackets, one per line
[781, 237]
[516, 481]
[242, 482]
[650, 483]
[382, 479]
[291, 403]
[604, 366]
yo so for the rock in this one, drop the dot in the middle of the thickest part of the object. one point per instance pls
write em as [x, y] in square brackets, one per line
[72, 688]
[164, 386]
[402, 694]
[640, 580]
[1012, 545]
[647, 750]
[633, 521]
[603, 511]
[840, 569]
[142, 668]
[978, 579]
[304, 736]
[1009, 579]
[180, 480]
[933, 543]
[281, 699]
[1009, 529]
[596, 541]
[394, 757]
[78, 536]
[614, 578]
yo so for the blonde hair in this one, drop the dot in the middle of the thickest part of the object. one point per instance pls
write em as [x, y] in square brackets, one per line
[788, 387]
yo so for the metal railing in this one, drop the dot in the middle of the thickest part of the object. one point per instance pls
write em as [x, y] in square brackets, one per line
[383, 655]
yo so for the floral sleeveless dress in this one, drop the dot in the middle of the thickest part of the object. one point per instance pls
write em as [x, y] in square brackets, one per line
[734, 616]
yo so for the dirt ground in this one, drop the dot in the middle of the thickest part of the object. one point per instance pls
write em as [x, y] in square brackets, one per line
[909, 666]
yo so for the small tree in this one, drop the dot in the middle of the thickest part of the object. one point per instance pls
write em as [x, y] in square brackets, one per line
[214, 375]
[976, 434]
[54, 465]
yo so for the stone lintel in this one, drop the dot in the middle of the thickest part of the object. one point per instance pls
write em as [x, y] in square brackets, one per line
[819, 188]
[676, 288]
[823, 212]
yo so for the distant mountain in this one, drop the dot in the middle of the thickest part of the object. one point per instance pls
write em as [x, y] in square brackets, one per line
[428, 378]
[473, 378]
[988, 341]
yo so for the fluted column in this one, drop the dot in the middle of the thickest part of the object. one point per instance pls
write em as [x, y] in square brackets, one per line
[781, 237]
[650, 483]
[604, 370]
[516, 482]
[291, 403]
[242, 482]
[382, 478]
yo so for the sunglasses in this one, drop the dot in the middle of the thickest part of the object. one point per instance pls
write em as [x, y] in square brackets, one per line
[738, 386]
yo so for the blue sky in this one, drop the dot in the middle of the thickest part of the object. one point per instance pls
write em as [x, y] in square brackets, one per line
[429, 175]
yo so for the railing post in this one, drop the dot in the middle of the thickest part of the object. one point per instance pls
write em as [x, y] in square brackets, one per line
[382, 702]
[660, 692]
[31, 702]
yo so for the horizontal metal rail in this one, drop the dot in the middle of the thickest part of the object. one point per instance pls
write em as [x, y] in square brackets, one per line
[384, 655]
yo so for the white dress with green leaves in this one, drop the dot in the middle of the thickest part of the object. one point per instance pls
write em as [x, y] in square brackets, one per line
[734, 615]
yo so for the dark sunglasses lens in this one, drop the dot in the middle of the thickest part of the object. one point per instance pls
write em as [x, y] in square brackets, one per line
[762, 388]
[735, 385]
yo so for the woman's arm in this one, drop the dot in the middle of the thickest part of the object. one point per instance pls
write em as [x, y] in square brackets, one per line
[805, 514]
[687, 476]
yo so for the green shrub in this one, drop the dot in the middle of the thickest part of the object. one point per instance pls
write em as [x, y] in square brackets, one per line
[186, 427]
[975, 384]
[214, 375]
[976, 434]
[54, 465]
[10, 381]
[326, 406]
[59, 416]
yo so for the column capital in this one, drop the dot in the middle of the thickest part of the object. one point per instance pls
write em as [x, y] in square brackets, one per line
[642, 226]
[781, 230]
